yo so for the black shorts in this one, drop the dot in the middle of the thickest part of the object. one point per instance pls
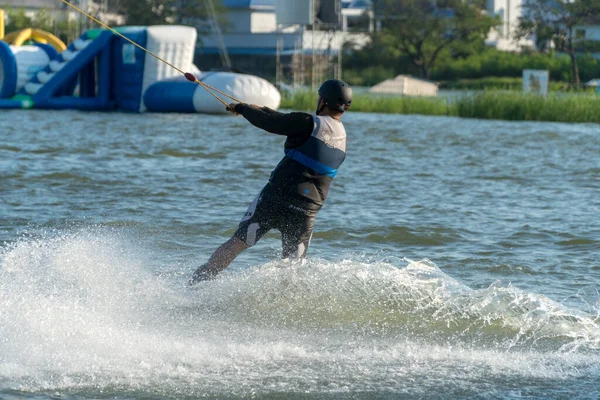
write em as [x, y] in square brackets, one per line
[269, 211]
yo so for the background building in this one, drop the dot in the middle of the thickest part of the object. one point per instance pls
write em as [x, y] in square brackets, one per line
[587, 38]
[257, 42]
[509, 12]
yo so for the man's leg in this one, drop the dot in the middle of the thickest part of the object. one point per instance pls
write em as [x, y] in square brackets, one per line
[254, 224]
[294, 249]
[220, 260]
[296, 235]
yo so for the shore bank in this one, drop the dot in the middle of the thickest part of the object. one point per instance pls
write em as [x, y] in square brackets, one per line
[503, 105]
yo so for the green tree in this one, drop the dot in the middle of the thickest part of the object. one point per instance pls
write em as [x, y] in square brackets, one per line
[160, 12]
[17, 19]
[554, 21]
[422, 30]
[59, 25]
[43, 20]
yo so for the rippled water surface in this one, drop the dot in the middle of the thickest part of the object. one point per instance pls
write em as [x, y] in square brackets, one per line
[454, 258]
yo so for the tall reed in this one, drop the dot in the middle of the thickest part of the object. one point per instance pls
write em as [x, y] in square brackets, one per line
[362, 102]
[503, 105]
[516, 106]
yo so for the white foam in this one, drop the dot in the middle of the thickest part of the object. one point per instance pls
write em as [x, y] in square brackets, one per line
[81, 311]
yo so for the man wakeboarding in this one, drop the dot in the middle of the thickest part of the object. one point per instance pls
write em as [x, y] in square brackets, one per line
[314, 150]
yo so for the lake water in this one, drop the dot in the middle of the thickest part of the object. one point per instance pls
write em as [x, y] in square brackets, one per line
[453, 259]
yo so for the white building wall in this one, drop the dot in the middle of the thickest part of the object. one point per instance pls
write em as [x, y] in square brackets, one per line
[254, 27]
[320, 39]
[262, 22]
[509, 12]
[251, 41]
[250, 20]
[323, 40]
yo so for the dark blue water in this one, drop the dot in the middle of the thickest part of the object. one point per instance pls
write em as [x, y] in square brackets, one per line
[454, 258]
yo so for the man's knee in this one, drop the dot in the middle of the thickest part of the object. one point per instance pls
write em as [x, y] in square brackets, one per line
[295, 250]
[237, 244]
[248, 234]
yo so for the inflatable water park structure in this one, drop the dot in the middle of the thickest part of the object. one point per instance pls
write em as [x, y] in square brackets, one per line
[102, 71]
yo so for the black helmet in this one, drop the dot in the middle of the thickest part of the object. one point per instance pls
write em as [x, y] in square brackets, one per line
[336, 94]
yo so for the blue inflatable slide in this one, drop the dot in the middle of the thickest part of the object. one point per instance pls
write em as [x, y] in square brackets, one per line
[102, 71]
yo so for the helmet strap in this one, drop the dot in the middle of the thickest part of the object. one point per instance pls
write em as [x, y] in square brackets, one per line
[320, 109]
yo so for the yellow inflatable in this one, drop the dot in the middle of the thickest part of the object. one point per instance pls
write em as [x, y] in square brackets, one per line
[19, 37]
[1, 24]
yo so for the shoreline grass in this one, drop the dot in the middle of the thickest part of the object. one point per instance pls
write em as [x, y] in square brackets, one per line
[491, 83]
[501, 105]
[306, 101]
[555, 107]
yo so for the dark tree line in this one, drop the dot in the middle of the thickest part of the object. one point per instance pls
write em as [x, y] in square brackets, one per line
[422, 30]
[160, 12]
[425, 33]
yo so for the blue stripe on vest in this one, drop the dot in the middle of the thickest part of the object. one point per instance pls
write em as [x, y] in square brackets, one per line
[317, 149]
[310, 163]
